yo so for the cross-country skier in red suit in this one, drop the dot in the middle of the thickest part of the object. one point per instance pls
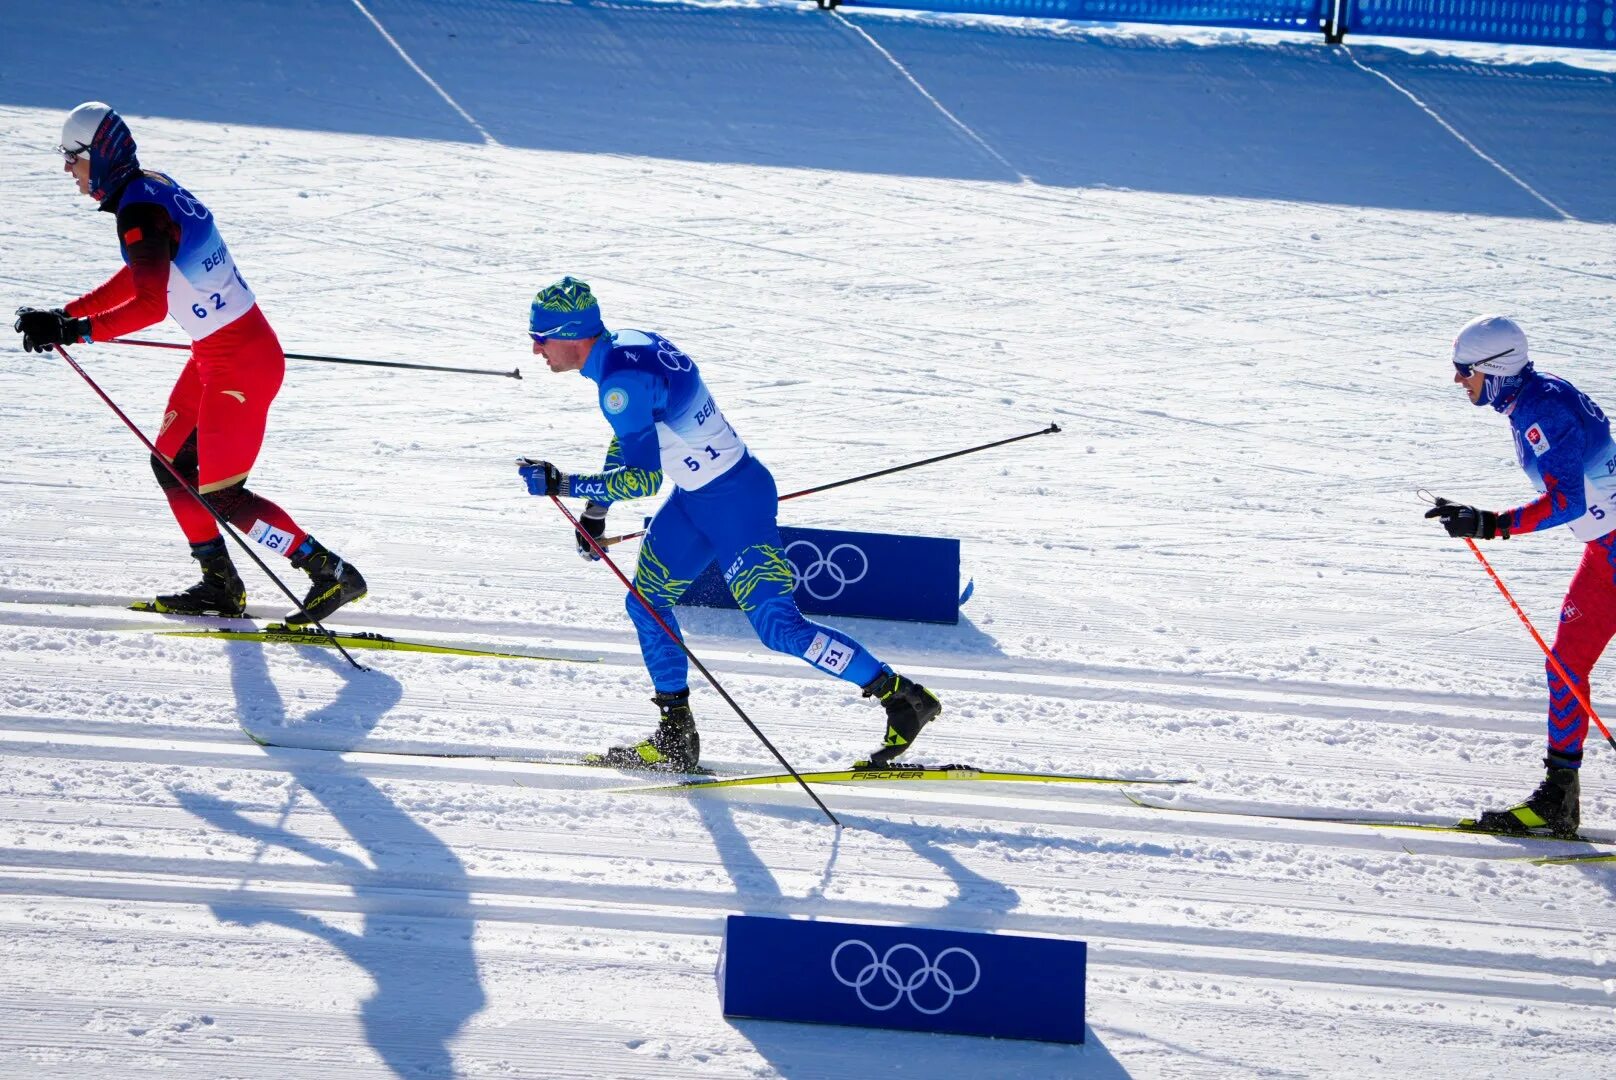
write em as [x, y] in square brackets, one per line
[177, 264]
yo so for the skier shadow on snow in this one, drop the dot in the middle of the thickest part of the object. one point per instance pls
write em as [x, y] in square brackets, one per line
[426, 978]
[757, 891]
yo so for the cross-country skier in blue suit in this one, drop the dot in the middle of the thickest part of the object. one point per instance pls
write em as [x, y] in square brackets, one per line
[666, 424]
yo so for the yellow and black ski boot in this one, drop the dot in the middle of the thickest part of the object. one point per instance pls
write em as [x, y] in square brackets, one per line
[909, 707]
[220, 592]
[1552, 809]
[675, 746]
[333, 582]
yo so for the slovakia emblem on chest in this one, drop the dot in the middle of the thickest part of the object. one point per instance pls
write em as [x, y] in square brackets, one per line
[1538, 441]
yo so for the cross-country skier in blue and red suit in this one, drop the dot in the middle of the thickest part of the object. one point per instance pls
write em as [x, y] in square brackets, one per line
[177, 264]
[666, 424]
[1563, 441]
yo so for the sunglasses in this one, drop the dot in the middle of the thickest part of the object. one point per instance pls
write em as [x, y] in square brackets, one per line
[1465, 370]
[550, 335]
[72, 156]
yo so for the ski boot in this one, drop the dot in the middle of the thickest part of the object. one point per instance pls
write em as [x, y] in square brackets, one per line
[220, 592]
[675, 746]
[334, 582]
[909, 706]
[1553, 808]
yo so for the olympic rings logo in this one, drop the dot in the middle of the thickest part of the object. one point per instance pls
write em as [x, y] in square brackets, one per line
[930, 986]
[672, 358]
[827, 576]
[189, 206]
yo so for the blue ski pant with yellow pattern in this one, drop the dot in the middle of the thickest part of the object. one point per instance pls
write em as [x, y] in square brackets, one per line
[731, 522]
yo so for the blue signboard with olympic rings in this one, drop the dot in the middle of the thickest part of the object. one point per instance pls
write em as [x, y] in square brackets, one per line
[904, 977]
[874, 575]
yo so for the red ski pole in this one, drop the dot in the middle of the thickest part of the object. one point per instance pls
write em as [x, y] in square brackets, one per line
[1554, 661]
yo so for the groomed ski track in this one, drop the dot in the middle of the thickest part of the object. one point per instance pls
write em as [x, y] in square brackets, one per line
[184, 837]
[1234, 297]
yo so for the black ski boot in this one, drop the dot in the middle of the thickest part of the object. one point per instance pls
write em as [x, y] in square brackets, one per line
[909, 706]
[675, 746]
[220, 592]
[335, 582]
[1553, 807]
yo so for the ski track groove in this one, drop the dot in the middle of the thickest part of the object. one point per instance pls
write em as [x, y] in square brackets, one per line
[987, 675]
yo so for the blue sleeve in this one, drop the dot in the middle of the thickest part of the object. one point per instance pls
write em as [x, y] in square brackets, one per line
[634, 461]
[1564, 497]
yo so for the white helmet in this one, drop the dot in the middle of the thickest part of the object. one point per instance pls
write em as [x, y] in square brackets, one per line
[1492, 345]
[78, 132]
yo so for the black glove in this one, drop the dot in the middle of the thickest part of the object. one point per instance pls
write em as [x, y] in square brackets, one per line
[1467, 521]
[542, 477]
[593, 520]
[41, 329]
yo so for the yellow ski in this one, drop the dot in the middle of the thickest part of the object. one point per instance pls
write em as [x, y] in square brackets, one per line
[888, 774]
[282, 634]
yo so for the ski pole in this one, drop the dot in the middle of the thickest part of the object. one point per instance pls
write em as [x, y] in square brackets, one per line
[1554, 661]
[514, 373]
[694, 659]
[224, 525]
[1052, 429]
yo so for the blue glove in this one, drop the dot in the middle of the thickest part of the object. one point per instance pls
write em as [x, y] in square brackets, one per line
[542, 477]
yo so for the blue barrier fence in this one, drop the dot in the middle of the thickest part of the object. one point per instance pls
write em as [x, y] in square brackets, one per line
[1585, 24]
[1254, 14]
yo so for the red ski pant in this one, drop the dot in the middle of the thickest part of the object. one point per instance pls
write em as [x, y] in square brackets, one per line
[1587, 623]
[222, 400]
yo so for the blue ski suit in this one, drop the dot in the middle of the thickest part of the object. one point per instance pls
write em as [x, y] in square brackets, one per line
[667, 425]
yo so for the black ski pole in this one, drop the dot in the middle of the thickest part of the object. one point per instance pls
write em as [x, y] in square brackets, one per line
[1052, 429]
[224, 526]
[694, 659]
[514, 373]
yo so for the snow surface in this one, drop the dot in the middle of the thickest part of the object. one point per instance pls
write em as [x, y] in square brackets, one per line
[1229, 265]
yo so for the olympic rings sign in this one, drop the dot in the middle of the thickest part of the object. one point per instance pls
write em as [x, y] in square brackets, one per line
[904, 972]
[826, 576]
